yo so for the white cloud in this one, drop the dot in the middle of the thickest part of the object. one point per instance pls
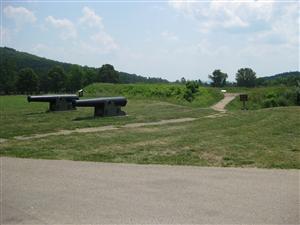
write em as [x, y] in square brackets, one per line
[283, 30]
[5, 35]
[68, 30]
[225, 14]
[266, 21]
[169, 36]
[90, 18]
[100, 42]
[20, 15]
[104, 41]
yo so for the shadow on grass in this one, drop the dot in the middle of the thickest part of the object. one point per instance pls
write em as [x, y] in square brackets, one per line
[86, 118]
[35, 113]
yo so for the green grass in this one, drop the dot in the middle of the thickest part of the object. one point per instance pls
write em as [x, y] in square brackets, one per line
[18, 117]
[264, 138]
[268, 138]
[172, 93]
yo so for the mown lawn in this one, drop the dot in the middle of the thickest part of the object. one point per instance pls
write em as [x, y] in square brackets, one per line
[146, 103]
[18, 117]
[266, 138]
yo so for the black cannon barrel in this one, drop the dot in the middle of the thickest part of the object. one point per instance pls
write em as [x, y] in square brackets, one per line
[118, 101]
[51, 98]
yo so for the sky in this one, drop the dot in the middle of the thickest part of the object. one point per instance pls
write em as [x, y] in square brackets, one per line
[168, 39]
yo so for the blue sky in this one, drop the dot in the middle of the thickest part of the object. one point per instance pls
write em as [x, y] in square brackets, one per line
[169, 39]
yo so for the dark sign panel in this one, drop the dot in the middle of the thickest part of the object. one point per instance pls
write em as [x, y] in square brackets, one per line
[243, 97]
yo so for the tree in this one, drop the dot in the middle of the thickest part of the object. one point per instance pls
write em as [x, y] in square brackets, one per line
[7, 76]
[108, 74]
[218, 78]
[57, 79]
[89, 75]
[182, 80]
[245, 77]
[75, 78]
[44, 82]
[27, 81]
[192, 85]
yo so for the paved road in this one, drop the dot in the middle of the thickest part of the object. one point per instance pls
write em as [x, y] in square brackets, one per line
[61, 192]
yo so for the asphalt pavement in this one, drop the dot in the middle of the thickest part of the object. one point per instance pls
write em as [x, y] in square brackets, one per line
[69, 192]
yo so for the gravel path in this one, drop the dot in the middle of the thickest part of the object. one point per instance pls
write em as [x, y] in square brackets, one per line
[220, 106]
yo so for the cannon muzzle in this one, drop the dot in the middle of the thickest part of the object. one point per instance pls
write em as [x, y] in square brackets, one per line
[50, 98]
[56, 102]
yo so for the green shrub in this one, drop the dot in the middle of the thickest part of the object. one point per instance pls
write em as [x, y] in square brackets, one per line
[193, 86]
[270, 102]
[282, 101]
[188, 95]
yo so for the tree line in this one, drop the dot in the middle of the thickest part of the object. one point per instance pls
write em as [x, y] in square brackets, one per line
[25, 73]
[246, 77]
[21, 72]
[55, 80]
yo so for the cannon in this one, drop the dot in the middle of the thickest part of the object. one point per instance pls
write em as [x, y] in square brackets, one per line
[56, 102]
[106, 106]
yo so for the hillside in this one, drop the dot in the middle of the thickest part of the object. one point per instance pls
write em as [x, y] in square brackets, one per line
[282, 75]
[19, 60]
[286, 78]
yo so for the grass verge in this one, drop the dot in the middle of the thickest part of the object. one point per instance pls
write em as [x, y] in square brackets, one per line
[267, 138]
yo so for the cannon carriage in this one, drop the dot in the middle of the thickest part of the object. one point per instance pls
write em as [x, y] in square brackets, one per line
[107, 106]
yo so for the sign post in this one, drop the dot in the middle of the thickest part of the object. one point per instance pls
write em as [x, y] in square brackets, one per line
[244, 98]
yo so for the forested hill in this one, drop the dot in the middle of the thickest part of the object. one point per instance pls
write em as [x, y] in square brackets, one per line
[287, 78]
[41, 66]
[19, 60]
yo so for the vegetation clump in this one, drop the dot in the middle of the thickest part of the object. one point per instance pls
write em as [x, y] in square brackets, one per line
[192, 87]
[267, 97]
[189, 94]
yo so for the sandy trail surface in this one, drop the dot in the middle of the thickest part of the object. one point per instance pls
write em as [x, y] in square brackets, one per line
[220, 106]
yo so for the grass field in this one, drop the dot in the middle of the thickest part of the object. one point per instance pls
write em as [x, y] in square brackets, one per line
[18, 117]
[265, 138]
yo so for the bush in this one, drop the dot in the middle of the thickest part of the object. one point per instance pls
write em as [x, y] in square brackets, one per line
[193, 86]
[188, 95]
[270, 102]
[282, 101]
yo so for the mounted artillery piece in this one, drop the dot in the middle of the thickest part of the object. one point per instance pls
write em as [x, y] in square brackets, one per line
[56, 102]
[107, 106]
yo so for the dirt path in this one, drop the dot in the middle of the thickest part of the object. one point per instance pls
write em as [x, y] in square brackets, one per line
[220, 106]
[103, 128]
